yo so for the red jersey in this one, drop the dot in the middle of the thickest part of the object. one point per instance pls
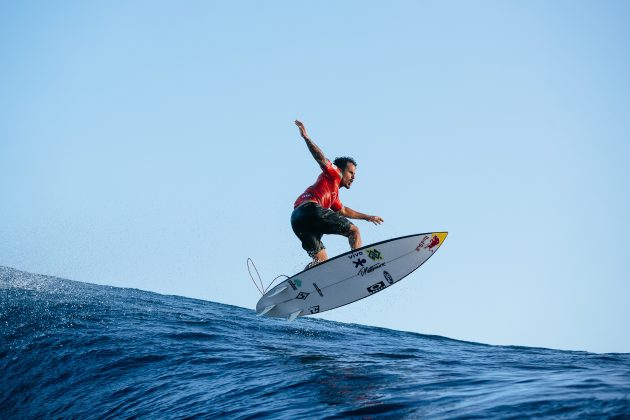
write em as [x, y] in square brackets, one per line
[325, 190]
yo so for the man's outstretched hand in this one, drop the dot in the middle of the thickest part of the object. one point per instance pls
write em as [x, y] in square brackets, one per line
[301, 127]
[375, 219]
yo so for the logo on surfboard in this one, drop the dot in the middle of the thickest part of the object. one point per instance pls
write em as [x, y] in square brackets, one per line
[295, 283]
[422, 243]
[355, 254]
[359, 262]
[388, 277]
[368, 270]
[376, 287]
[435, 241]
[374, 254]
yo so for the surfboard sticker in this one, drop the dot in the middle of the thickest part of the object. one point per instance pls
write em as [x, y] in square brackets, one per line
[349, 277]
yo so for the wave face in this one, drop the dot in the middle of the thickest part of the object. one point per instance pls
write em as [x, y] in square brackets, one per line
[70, 349]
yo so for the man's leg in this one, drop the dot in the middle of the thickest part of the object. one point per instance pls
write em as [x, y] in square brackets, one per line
[318, 258]
[321, 256]
[304, 220]
[331, 222]
[354, 237]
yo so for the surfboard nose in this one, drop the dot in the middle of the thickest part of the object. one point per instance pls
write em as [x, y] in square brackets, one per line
[431, 241]
[441, 236]
[437, 239]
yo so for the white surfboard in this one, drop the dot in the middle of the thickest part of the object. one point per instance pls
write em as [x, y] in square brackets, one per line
[349, 277]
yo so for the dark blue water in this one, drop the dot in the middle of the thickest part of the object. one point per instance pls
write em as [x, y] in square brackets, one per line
[70, 349]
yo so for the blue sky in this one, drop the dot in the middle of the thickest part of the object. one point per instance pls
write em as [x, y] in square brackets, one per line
[151, 145]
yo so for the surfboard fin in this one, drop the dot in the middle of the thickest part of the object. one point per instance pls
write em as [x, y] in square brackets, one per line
[294, 315]
[277, 292]
[267, 309]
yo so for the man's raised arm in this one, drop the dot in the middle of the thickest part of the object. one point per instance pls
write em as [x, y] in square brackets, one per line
[315, 151]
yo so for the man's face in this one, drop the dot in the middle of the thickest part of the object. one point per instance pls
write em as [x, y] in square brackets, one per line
[347, 176]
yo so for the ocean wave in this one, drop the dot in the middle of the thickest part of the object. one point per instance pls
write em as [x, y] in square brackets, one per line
[71, 349]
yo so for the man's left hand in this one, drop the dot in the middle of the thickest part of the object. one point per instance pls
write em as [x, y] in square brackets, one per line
[375, 219]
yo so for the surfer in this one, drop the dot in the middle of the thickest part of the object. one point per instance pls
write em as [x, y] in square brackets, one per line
[319, 211]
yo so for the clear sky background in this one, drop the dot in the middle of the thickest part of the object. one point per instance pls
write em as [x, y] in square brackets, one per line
[151, 144]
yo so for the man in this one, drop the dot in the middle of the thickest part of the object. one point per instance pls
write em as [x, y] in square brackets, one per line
[318, 210]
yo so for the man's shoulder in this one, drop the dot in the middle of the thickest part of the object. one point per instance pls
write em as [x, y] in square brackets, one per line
[332, 169]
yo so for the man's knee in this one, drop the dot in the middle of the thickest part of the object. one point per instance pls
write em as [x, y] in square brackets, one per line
[353, 231]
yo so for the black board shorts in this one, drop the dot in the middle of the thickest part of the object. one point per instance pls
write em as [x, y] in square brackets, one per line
[310, 221]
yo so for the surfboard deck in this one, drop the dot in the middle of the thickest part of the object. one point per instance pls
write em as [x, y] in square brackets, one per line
[349, 277]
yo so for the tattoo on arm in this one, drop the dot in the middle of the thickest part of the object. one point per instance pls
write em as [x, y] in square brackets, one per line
[316, 152]
[312, 147]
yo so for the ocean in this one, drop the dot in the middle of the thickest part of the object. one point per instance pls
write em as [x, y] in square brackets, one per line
[72, 349]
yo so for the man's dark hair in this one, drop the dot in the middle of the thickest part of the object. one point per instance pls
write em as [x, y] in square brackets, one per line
[342, 162]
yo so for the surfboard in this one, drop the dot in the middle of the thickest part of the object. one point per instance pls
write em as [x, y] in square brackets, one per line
[349, 277]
